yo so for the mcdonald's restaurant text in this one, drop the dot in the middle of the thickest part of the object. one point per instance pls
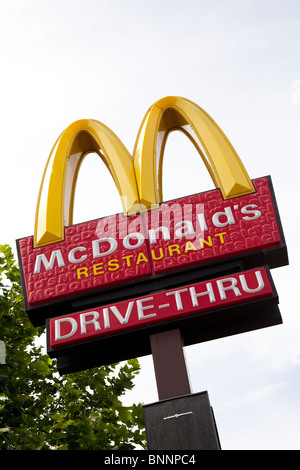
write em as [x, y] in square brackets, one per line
[194, 230]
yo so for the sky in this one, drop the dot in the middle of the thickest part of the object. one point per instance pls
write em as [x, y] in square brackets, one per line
[110, 61]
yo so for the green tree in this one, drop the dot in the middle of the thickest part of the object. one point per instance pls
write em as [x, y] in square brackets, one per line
[40, 409]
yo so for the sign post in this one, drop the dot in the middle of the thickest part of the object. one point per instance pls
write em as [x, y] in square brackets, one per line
[171, 373]
[182, 423]
[196, 429]
[162, 274]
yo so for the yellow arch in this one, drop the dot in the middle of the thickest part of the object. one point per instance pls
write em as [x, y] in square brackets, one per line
[56, 196]
[137, 178]
[175, 113]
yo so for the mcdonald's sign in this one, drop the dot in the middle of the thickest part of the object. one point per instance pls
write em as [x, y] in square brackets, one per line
[154, 244]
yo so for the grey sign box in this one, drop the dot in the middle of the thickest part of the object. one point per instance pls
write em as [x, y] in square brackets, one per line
[181, 423]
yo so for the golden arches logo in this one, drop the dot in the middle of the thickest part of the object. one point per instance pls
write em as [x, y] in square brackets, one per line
[138, 178]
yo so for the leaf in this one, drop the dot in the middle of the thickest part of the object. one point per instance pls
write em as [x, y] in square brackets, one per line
[4, 430]
[41, 367]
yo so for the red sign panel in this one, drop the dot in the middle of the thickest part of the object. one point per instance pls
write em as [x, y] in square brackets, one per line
[93, 255]
[132, 314]
[203, 227]
[186, 233]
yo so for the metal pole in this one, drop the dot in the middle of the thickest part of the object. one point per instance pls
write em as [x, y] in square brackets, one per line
[169, 363]
[180, 420]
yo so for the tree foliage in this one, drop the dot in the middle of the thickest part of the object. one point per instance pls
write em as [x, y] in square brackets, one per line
[40, 409]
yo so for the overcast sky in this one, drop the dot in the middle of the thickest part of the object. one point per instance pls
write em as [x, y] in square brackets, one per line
[65, 60]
